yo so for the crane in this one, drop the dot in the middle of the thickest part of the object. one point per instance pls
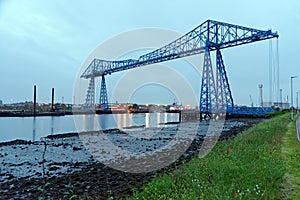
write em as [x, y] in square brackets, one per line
[251, 100]
[211, 35]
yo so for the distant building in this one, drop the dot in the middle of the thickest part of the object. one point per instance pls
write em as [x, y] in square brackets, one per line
[1, 103]
[284, 105]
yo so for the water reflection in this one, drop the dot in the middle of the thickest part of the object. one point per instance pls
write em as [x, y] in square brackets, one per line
[124, 122]
[147, 120]
[52, 125]
[166, 118]
[158, 120]
[131, 120]
[119, 118]
[33, 128]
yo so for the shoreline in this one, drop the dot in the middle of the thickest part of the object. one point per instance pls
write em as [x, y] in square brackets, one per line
[75, 112]
[103, 112]
[64, 158]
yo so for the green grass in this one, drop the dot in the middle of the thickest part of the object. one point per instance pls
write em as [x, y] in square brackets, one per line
[291, 152]
[249, 166]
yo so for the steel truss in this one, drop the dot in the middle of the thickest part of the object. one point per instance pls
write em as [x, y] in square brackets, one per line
[90, 95]
[103, 100]
[209, 36]
[208, 104]
[225, 100]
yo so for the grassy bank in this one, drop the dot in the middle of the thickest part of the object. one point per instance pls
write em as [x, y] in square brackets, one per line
[249, 166]
[291, 153]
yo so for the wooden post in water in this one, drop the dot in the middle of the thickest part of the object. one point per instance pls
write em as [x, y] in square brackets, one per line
[34, 100]
[52, 104]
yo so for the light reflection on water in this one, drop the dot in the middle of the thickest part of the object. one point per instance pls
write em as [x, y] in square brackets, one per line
[33, 128]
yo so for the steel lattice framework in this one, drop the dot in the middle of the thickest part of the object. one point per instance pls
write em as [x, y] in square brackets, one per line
[208, 95]
[103, 100]
[90, 96]
[209, 36]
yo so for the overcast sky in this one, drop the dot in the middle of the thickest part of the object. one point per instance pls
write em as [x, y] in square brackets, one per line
[46, 43]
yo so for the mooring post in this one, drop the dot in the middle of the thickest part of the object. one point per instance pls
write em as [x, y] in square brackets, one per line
[52, 104]
[34, 100]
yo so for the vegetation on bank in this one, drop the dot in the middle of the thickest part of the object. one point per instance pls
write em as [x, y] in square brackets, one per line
[249, 166]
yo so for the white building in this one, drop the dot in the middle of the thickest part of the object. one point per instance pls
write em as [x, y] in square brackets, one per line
[284, 105]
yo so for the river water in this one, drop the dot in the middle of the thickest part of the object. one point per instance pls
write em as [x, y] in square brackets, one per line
[34, 128]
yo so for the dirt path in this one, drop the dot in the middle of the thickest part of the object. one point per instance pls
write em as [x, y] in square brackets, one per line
[298, 128]
[291, 154]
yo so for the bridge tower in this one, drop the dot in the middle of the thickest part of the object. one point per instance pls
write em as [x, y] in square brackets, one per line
[208, 91]
[90, 95]
[214, 97]
[103, 100]
[225, 100]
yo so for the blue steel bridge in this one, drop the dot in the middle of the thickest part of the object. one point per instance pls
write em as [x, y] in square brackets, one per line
[215, 93]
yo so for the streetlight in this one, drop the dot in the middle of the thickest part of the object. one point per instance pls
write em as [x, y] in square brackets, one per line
[297, 100]
[292, 110]
[281, 106]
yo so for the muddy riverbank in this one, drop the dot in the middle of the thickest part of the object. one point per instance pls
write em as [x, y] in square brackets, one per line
[63, 166]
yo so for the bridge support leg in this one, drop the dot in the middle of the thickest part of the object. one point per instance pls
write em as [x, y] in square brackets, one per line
[224, 97]
[103, 100]
[90, 96]
[208, 92]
